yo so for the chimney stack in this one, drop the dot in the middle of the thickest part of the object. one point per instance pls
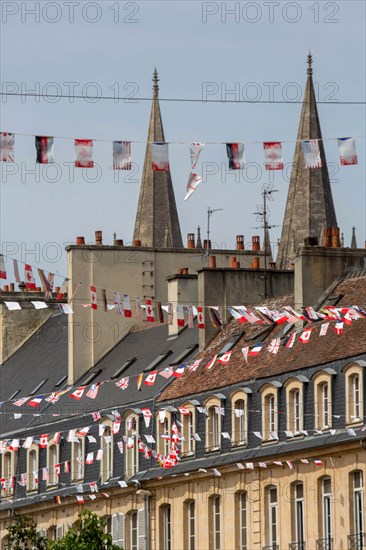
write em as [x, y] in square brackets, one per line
[336, 241]
[327, 237]
[190, 241]
[80, 241]
[98, 238]
[240, 242]
[207, 244]
[212, 262]
[256, 243]
[136, 242]
[255, 263]
[11, 287]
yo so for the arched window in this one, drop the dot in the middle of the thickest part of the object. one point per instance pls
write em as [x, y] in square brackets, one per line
[165, 527]
[52, 460]
[323, 400]
[326, 513]
[357, 538]
[32, 468]
[8, 469]
[213, 424]
[272, 517]
[269, 412]
[297, 516]
[239, 418]
[354, 394]
[188, 420]
[77, 459]
[190, 525]
[241, 520]
[106, 444]
[163, 432]
[215, 522]
[132, 436]
[295, 406]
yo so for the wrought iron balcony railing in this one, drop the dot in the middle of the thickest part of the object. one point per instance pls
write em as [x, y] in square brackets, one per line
[297, 546]
[357, 541]
[324, 544]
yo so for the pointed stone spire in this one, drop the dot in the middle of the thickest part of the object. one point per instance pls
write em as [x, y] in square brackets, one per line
[157, 221]
[199, 241]
[354, 241]
[309, 208]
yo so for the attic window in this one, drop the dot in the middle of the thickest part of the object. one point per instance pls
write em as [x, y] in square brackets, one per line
[61, 381]
[231, 343]
[333, 300]
[124, 367]
[91, 377]
[286, 329]
[262, 333]
[158, 360]
[38, 387]
[183, 355]
[14, 394]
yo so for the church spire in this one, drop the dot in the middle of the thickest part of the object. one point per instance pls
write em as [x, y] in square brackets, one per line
[309, 208]
[157, 221]
[354, 241]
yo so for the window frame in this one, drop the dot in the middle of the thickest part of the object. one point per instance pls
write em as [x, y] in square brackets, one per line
[323, 416]
[53, 478]
[32, 485]
[269, 401]
[351, 372]
[12, 467]
[272, 508]
[188, 444]
[239, 424]
[163, 428]
[293, 424]
[77, 468]
[132, 454]
[213, 420]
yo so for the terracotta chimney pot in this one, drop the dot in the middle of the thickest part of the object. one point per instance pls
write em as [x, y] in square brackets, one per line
[212, 262]
[240, 242]
[6, 288]
[190, 241]
[256, 243]
[98, 238]
[255, 263]
[80, 241]
[137, 242]
[11, 288]
[118, 242]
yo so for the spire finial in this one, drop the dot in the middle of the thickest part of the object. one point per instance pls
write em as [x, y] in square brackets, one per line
[310, 63]
[155, 81]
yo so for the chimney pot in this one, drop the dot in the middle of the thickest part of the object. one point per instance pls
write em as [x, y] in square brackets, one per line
[237, 265]
[336, 241]
[57, 289]
[137, 242]
[256, 243]
[190, 241]
[240, 242]
[272, 265]
[21, 286]
[327, 237]
[207, 244]
[118, 242]
[185, 271]
[212, 262]
[255, 263]
[11, 288]
[98, 238]
[80, 241]
[39, 289]
[180, 271]
[6, 288]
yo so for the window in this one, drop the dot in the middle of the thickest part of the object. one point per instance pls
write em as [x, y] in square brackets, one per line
[188, 429]
[239, 419]
[131, 454]
[165, 527]
[32, 466]
[327, 512]
[294, 399]
[118, 529]
[354, 397]
[215, 522]
[272, 516]
[52, 460]
[323, 401]
[77, 459]
[106, 464]
[358, 508]
[135, 530]
[190, 525]
[163, 429]
[269, 413]
[8, 470]
[213, 424]
[298, 523]
[242, 520]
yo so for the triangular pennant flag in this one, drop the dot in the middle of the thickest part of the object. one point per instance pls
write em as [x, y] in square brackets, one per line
[305, 336]
[310, 149]
[93, 297]
[2, 267]
[193, 182]
[235, 153]
[195, 151]
[126, 306]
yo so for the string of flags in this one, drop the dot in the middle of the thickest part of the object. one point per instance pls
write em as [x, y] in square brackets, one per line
[122, 155]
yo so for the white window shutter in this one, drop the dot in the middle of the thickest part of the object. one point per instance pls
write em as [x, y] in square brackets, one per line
[114, 528]
[121, 529]
[59, 532]
[141, 529]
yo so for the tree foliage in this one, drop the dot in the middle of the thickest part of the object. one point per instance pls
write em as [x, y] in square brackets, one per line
[23, 535]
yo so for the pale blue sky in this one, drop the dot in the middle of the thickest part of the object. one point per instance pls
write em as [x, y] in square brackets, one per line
[188, 53]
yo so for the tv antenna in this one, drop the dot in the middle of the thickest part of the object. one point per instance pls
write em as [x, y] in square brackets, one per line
[210, 211]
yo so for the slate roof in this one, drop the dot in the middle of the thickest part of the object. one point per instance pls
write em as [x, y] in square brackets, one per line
[319, 350]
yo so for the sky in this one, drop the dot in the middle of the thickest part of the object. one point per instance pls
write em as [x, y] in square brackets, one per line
[202, 50]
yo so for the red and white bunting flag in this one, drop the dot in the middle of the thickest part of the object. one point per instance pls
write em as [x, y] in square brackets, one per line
[73, 295]
[43, 442]
[150, 379]
[82, 432]
[123, 383]
[225, 358]
[200, 318]
[93, 297]
[150, 315]
[310, 149]
[338, 328]
[245, 352]
[237, 316]
[127, 306]
[80, 499]
[63, 289]
[160, 157]
[67, 466]
[274, 346]
[184, 411]
[20, 402]
[23, 480]
[100, 454]
[323, 329]
[347, 151]
[290, 464]
[53, 398]
[167, 372]
[14, 445]
[58, 469]
[28, 442]
[44, 148]
[291, 340]
[180, 316]
[178, 373]
[195, 151]
[116, 427]
[29, 278]
[96, 416]
[121, 155]
[7, 147]
[71, 436]
[77, 394]
[273, 159]
[211, 362]
[192, 367]
[235, 153]
[89, 458]
[318, 462]
[2, 267]
[45, 284]
[35, 401]
[193, 182]
[130, 442]
[56, 438]
[117, 303]
[93, 391]
[84, 153]
[254, 351]
[147, 414]
[305, 336]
